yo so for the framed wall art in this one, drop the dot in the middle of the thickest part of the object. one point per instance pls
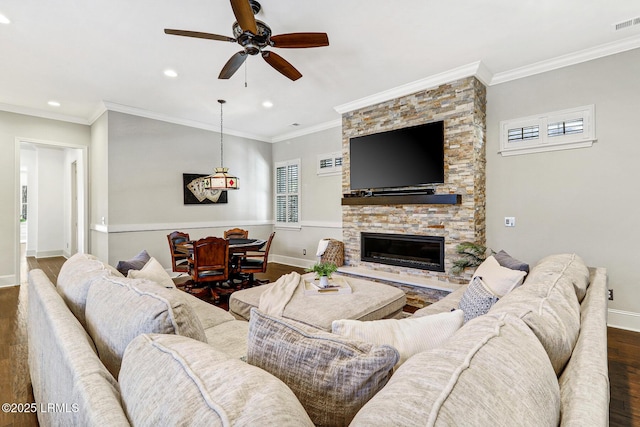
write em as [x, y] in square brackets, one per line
[195, 193]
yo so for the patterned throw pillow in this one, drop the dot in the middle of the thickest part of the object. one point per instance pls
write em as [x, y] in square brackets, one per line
[477, 299]
[332, 376]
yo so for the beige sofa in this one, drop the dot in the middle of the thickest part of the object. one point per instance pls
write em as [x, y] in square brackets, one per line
[138, 353]
[538, 357]
[106, 350]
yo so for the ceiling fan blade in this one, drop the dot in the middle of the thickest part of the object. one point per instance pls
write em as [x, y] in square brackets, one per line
[199, 35]
[233, 64]
[299, 40]
[244, 15]
[281, 65]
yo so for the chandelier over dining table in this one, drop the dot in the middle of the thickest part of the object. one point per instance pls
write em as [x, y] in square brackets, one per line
[221, 178]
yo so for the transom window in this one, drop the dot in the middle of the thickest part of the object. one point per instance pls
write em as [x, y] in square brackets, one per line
[558, 130]
[330, 163]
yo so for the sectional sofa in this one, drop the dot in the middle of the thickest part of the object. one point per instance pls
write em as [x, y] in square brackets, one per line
[109, 350]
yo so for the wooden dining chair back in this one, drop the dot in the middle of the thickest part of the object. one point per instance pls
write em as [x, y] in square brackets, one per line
[178, 260]
[210, 261]
[256, 262]
[236, 233]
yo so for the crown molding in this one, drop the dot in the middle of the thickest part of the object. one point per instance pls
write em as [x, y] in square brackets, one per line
[574, 58]
[99, 112]
[42, 114]
[308, 130]
[416, 86]
[111, 106]
[477, 69]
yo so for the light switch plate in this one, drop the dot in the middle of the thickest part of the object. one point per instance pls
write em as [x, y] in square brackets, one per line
[509, 221]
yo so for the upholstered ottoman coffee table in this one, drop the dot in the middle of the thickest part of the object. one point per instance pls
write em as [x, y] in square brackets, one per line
[367, 301]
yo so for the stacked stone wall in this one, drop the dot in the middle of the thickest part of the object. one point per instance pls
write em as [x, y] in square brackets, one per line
[461, 105]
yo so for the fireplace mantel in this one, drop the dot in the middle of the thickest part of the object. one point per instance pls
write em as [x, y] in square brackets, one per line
[404, 199]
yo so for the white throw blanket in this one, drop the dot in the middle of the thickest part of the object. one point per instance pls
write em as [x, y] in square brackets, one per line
[275, 299]
[322, 246]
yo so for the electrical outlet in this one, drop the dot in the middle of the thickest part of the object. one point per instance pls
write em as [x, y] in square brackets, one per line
[304, 252]
[509, 221]
[610, 294]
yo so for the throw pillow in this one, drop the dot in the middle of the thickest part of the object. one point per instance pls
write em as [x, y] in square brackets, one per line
[332, 376]
[494, 373]
[409, 336]
[506, 260]
[169, 380]
[135, 263]
[76, 277]
[477, 299]
[153, 271]
[500, 280]
[120, 309]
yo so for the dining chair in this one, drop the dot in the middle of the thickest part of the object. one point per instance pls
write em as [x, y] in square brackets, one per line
[179, 261]
[236, 233]
[256, 262]
[209, 265]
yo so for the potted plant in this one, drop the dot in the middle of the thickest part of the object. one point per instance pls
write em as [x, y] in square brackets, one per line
[471, 255]
[323, 271]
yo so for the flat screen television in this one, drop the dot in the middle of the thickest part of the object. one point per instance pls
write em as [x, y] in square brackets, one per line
[407, 157]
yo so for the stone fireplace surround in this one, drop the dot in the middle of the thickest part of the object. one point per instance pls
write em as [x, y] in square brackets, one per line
[461, 105]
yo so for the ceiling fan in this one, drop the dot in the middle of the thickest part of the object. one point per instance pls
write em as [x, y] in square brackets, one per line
[254, 36]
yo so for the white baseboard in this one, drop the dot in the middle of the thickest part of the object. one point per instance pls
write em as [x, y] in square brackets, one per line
[296, 262]
[49, 254]
[623, 320]
[8, 280]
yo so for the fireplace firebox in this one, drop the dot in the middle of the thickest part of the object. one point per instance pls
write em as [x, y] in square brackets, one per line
[405, 250]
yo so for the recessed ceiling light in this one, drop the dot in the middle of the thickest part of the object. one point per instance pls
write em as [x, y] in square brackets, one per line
[54, 103]
[267, 104]
[170, 73]
[4, 19]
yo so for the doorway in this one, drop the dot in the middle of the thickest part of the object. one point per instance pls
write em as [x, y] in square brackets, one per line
[53, 218]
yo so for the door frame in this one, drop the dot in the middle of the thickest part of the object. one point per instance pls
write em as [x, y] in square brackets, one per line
[84, 182]
[73, 211]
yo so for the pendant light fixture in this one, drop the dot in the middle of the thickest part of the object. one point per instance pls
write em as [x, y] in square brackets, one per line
[221, 179]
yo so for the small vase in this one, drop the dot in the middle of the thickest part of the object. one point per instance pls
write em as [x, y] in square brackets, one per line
[324, 282]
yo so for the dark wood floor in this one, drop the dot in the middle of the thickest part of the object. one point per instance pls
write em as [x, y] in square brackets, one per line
[15, 386]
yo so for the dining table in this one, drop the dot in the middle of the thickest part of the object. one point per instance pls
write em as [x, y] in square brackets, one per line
[237, 249]
[236, 246]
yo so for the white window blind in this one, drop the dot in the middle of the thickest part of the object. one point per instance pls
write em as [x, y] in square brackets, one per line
[287, 192]
[558, 130]
[330, 163]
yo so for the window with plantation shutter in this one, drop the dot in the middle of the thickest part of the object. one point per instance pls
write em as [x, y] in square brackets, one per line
[330, 163]
[287, 193]
[559, 130]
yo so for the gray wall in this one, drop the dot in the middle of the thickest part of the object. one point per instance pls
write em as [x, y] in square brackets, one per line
[12, 127]
[320, 209]
[146, 160]
[583, 200]
[99, 187]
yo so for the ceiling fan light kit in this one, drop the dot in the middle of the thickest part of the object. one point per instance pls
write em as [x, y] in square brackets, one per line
[254, 36]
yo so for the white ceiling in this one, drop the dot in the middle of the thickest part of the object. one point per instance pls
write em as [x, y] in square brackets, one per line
[93, 54]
